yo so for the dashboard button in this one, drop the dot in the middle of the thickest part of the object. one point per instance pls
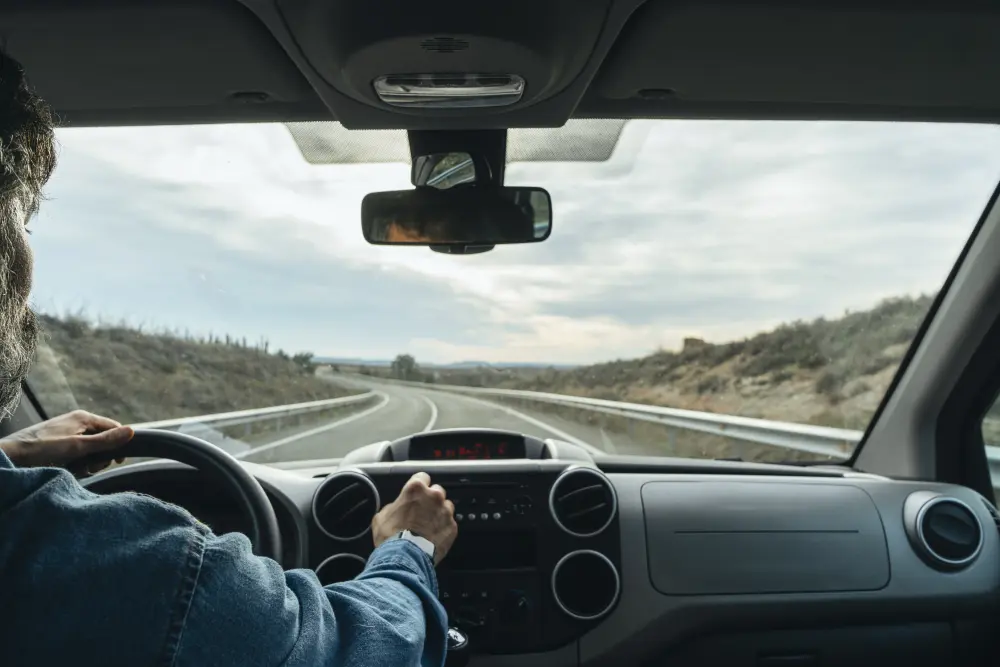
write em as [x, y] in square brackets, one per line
[496, 515]
[459, 517]
[484, 516]
[515, 608]
[472, 516]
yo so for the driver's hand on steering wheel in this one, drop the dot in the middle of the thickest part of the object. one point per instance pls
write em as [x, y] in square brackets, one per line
[62, 440]
[423, 509]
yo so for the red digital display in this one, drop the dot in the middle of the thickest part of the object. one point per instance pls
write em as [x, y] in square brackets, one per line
[474, 451]
[467, 447]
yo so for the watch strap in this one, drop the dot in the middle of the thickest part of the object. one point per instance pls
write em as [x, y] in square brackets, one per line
[421, 543]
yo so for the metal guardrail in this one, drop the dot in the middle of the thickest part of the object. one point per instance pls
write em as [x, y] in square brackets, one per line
[993, 459]
[248, 417]
[991, 432]
[823, 440]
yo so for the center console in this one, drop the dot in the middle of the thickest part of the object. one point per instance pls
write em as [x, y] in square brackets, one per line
[537, 559]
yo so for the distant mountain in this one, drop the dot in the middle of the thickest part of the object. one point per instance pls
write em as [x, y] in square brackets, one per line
[352, 361]
[382, 363]
[500, 364]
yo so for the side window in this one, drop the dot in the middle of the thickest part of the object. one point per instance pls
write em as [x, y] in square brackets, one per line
[991, 438]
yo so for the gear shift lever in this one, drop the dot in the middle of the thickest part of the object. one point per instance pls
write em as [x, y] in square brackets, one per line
[458, 648]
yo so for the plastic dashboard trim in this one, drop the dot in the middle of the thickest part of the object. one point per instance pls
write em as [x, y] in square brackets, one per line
[645, 622]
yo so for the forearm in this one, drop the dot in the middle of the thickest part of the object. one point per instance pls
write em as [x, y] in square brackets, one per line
[388, 616]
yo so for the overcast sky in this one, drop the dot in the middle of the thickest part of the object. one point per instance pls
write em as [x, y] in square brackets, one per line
[709, 229]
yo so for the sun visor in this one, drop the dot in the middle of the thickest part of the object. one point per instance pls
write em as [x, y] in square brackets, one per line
[581, 140]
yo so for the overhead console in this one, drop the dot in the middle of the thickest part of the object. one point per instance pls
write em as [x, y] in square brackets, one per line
[361, 57]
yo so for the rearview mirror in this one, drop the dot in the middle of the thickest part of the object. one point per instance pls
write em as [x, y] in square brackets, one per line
[460, 216]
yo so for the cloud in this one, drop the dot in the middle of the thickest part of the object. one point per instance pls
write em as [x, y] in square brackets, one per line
[717, 229]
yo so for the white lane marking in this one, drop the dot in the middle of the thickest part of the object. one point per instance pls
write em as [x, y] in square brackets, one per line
[609, 446]
[434, 413]
[562, 435]
[319, 429]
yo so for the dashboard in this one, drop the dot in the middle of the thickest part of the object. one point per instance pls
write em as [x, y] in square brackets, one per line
[564, 560]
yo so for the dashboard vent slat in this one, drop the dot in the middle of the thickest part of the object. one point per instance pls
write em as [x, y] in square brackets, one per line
[344, 505]
[583, 502]
[586, 511]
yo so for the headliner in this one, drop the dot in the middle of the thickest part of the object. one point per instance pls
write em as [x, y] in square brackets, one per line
[123, 62]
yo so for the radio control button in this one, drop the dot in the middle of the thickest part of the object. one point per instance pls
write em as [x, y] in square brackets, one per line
[472, 516]
[484, 516]
[459, 516]
[515, 609]
[496, 515]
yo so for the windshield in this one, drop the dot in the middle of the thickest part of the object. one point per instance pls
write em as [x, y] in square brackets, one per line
[701, 272]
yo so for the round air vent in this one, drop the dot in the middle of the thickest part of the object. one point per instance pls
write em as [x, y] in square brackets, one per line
[583, 502]
[344, 505]
[944, 531]
[585, 585]
[338, 568]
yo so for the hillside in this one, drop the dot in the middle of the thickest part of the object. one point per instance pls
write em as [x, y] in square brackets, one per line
[830, 372]
[133, 376]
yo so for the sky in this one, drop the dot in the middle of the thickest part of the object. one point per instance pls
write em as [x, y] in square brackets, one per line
[713, 229]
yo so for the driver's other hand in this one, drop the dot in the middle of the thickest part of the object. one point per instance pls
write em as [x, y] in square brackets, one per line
[422, 509]
[65, 439]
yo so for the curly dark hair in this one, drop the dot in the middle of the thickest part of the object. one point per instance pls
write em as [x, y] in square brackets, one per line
[27, 139]
[27, 159]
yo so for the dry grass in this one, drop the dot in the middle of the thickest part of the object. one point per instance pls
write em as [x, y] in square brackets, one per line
[135, 376]
[826, 372]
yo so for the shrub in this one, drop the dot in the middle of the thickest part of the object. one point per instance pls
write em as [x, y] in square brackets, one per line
[829, 383]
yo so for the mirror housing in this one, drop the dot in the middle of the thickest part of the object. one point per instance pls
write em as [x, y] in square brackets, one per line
[458, 220]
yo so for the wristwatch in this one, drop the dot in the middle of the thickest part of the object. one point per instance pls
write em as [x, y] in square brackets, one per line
[422, 543]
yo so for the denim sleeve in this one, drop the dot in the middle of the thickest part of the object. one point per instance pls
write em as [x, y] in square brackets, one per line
[246, 610]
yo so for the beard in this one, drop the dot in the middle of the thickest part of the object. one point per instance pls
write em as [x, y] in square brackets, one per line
[19, 328]
[18, 344]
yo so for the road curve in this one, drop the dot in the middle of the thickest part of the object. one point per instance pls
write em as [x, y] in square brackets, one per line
[406, 410]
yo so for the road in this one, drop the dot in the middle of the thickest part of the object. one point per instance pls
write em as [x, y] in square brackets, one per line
[404, 410]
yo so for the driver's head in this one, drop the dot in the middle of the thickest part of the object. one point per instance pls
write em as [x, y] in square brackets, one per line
[27, 158]
[462, 214]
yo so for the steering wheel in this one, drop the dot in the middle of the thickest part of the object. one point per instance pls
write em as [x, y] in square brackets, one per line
[218, 466]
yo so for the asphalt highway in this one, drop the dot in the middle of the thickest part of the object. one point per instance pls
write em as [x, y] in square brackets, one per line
[397, 411]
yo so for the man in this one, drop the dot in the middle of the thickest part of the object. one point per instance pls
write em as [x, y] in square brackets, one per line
[129, 580]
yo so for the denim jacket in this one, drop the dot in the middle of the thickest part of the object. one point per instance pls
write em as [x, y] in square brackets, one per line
[128, 580]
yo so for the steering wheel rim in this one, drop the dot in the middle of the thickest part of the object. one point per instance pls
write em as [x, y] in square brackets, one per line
[218, 464]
